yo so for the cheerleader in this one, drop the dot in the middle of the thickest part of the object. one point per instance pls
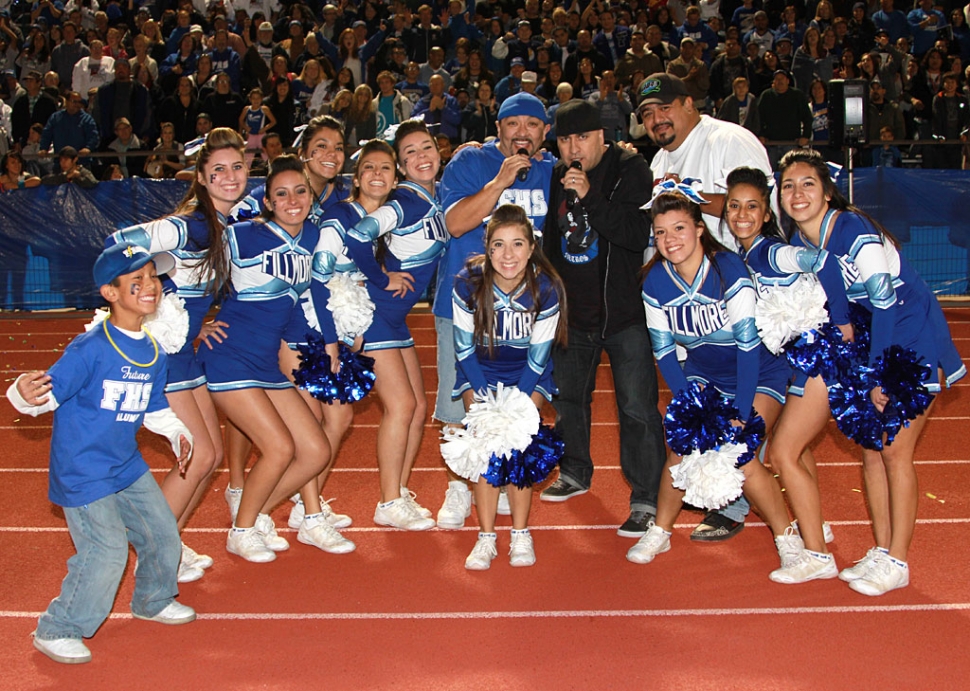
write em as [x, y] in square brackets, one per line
[322, 151]
[507, 306]
[699, 295]
[904, 313]
[272, 262]
[254, 122]
[373, 179]
[409, 236]
[194, 235]
[776, 265]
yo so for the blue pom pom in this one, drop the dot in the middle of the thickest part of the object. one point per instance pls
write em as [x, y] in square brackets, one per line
[698, 418]
[530, 466]
[751, 435]
[356, 376]
[823, 352]
[314, 373]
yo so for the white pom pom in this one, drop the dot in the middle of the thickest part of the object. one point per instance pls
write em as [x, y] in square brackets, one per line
[503, 422]
[788, 311]
[351, 306]
[710, 479]
[99, 316]
[170, 323]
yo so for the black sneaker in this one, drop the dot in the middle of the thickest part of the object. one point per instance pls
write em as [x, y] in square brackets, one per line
[560, 491]
[636, 525]
[716, 528]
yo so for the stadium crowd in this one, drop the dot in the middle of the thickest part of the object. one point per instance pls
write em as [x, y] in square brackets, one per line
[121, 75]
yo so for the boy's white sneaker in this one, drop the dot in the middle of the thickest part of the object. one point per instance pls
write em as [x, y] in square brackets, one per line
[411, 499]
[482, 553]
[399, 513]
[317, 531]
[267, 530]
[68, 651]
[852, 573]
[808, 566]
[192, 558]
[655, 541]
[457, 506]
[884, 574]
[233, 496]
[248, 544]
[522, 551]
[174, 613]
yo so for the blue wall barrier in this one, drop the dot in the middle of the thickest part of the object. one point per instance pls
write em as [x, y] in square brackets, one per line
[50, 236]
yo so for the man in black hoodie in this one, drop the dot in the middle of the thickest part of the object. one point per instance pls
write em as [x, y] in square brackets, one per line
[595, 236]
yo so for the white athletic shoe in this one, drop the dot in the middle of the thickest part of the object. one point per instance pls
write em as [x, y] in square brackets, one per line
[411, 499]
[188, 573]
[297, 513]
[884, 574]
[457, 506]
[482, 554]
[852, 573]
[174, 613]
[399, 513]
[267, 530]
[808, 566]
[68, 651]
[826, 531]
[192, 558]
[521, 551]
[503, 503]
[790, 547]
[317, 531]
[655, 541]
[248, 544]
[233, 495]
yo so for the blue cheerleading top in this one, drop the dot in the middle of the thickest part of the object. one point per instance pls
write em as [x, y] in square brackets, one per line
[522, 337]
[340, 218]
[252, 206]
[713, 319]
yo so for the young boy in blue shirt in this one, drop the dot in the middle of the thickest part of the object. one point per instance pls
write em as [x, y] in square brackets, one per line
[107, 383]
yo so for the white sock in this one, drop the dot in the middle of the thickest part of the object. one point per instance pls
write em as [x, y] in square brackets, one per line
[490, 536]
[524, 531]
[459, 485]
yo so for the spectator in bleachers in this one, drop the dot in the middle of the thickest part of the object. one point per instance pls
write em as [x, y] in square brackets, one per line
[70, 170]
[530, 82]
[13, 176]
[702, 34]
[361, 118]
[142, 57]
[585, 84]
[637, 57]
[584, 50]
[951, 118]
[113, 47]
[726, 68]
[292, 46]
[259, 55]
[341, 104]
[892, 64]
[761, 35]
[891, 20]
[614, 107]
[462, 48]
[270, 149]
[564, 93]
[811, 60]
[518, 45]
[219, 23]
[479, 118]
[662, 49]
[735, 108]
[668, 27]
[65, 55]
[391, 105]
[204, 79]
[823, 16]
[126, 140]
[332, 24]
[848, 67]
[613, 40]
[412, 87]
[156, 44]
[92, 71]
[547, 89]
[861, 31]
[924, 23]
[37, 166]
[439, 108]
[425, 35]
[225, 59]
[693, 72]
[435, 66]
[763, 72]
[469, 77]
[349, 52]
[785, 52]
[181, 63]
[71, 127]
[183, 25]
[886, 155]
[512, 83]
[743, 17]
[792, 27]
[224, 105]
[35, 107]
[182, 108]
[313, 79]
[781, 114]
[961, 35]
[36, 54]
[167, 158]
[283, 107]
[10, 40]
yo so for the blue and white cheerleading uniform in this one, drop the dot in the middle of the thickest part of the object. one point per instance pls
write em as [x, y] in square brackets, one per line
[269, 271]
[187, 239]
[713, 319]
[904, 310]
[522, 341]
[776, 265]
[414, 225]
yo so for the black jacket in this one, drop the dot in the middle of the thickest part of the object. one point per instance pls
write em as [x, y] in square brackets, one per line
[620, 185]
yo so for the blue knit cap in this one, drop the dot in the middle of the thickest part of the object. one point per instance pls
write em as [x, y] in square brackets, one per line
[520, 104]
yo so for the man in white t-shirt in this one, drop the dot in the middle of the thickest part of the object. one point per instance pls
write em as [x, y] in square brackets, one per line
[704, 150]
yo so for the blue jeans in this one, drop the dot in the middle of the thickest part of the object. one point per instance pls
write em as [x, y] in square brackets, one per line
[446, 408]
[642, 453]
[101, 532]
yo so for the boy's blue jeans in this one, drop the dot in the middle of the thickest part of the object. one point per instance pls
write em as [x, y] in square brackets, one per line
[101, 532]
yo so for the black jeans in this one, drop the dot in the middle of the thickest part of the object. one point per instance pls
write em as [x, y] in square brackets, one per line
[642, 452]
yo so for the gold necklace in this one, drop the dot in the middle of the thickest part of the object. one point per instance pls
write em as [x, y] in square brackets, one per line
[121, 352]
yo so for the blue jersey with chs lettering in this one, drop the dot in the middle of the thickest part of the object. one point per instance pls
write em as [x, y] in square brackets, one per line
[102, 399]
[712, 317]
[522, 337]
[467, 173]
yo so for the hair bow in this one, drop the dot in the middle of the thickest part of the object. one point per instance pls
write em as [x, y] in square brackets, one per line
[683, 187]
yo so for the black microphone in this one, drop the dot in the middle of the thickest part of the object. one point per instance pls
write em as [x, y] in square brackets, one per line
[571, 194]
[523, 172]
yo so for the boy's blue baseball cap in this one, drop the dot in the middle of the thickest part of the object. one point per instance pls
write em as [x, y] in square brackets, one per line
[126, 257]
[523, 103]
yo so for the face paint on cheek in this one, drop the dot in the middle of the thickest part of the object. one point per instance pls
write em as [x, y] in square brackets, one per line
[135, 288]
[212, 179]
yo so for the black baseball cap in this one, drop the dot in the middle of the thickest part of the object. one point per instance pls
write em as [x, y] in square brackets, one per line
[660, 88]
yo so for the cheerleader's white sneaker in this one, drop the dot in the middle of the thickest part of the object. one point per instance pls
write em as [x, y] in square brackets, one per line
[317, 531]
[457, 506]
[808, 566]
[298, 512]
[248, 544]
[411, 498]
[233, 495]
[857, 571]
[521, 551]
[398, 513]
[482, 553]
[826, 531]
[267, 530]
[884, 574]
